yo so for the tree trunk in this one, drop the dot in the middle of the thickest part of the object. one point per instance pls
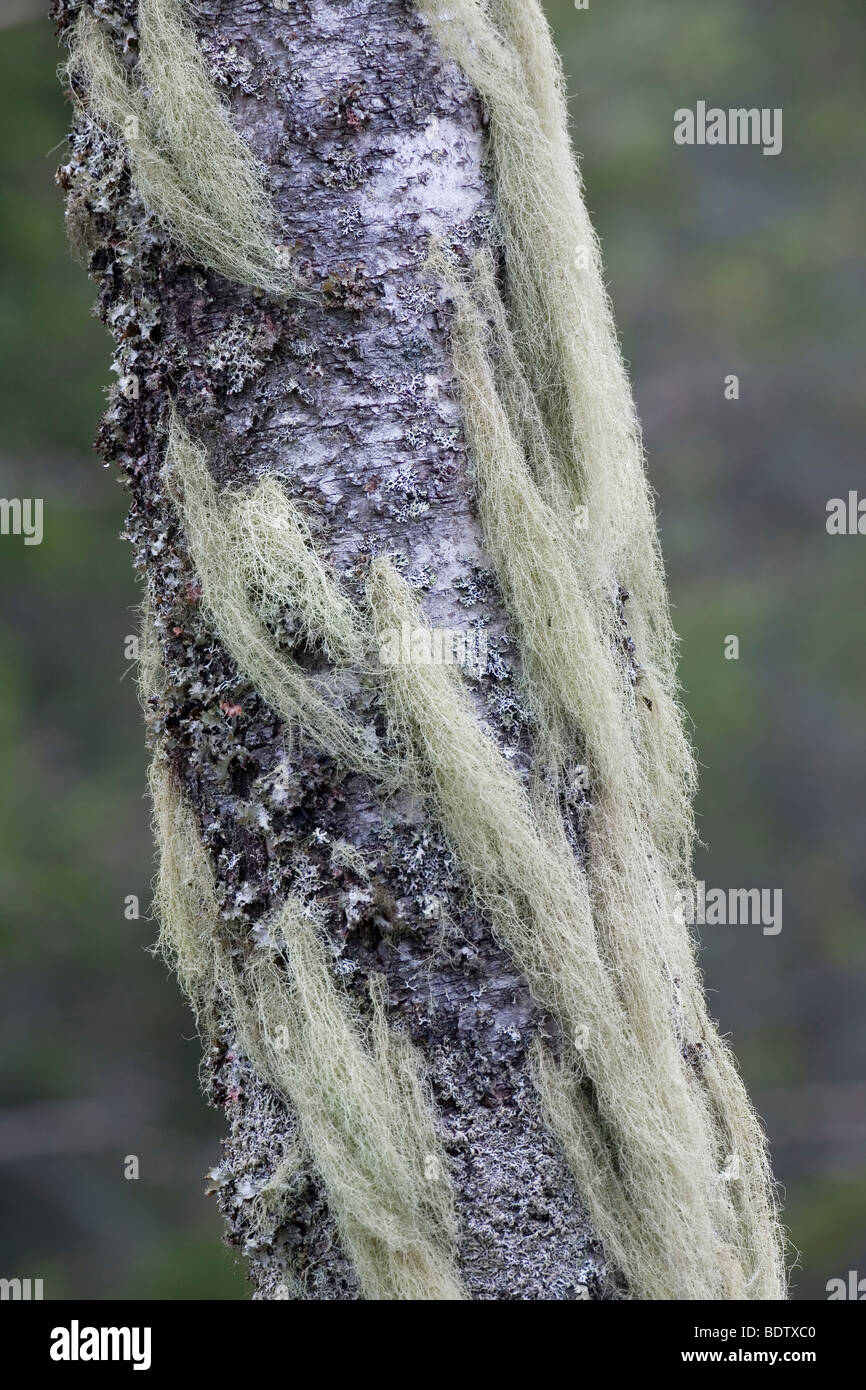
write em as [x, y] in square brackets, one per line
[372, 143]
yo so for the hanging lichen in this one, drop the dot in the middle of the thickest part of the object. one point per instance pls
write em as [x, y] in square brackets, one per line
[643, 1094]
[192, 169]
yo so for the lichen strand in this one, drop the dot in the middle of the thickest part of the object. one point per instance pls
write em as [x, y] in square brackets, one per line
[371, 144]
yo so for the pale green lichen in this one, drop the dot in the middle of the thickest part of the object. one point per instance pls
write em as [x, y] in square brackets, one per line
[358, 1091]
[650, 1132]
[191, 167]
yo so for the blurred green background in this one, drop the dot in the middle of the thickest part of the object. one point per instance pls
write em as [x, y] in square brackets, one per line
[719, 261]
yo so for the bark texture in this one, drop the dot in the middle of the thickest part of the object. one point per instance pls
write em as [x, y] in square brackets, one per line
[372, 144]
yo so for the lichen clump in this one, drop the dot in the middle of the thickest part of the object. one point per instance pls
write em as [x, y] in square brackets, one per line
[193, 170]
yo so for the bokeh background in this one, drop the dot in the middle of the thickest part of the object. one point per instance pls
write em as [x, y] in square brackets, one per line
[720, 261]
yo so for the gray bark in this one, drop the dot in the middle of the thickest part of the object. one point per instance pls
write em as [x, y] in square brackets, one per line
[372, 142]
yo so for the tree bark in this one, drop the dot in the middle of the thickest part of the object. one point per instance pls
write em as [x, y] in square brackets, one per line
[372, 144]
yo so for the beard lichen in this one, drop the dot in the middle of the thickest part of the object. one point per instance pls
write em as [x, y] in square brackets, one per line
[192, 169]
[357, 1088]
[643, 1093]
